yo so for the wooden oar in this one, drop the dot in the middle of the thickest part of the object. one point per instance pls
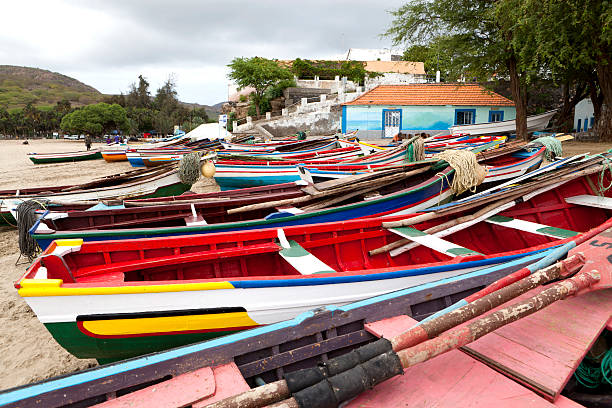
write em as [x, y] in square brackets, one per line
[596, 274]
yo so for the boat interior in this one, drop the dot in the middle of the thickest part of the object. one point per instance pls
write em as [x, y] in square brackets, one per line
[345, 247]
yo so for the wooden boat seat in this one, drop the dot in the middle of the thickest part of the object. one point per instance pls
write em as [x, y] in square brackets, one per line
[303, 261]
[533, 227]
[591, 201]
[128, 266]
[182, 390]
[430, 241]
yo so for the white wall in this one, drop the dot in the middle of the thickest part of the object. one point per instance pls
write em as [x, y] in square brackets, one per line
[583, 111]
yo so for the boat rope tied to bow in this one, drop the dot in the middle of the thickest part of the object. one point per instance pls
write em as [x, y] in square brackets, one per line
[552, 145]
[415, 150]
[26, 219]
[189, 168]
[468, 173]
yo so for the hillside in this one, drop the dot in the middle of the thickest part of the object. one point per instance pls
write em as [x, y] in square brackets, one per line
[20, 85]
[213, 111]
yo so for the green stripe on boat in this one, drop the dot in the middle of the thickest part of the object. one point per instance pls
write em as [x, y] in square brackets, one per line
[433, 242]
[532, 227]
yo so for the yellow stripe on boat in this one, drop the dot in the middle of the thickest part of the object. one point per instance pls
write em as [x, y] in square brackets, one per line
[76, 242]
[53, 287]
[147, 325]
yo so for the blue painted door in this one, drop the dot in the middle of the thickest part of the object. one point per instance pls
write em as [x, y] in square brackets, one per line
[586, 124]
[579, 126]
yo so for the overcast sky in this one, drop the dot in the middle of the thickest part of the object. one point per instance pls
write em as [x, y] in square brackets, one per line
[108, 43]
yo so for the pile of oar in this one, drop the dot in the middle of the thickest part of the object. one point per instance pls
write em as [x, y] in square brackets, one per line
[494, 202]
[336, 191]
[345, 377]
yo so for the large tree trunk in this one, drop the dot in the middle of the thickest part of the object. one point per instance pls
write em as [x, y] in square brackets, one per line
[596, 98]
[565, 119]
[519, 95]
[603, 127]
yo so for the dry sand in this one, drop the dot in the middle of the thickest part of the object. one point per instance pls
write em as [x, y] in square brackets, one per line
[29, 353]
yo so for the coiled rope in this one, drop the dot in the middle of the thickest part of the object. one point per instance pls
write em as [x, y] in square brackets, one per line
[591, 374]
[26, 218]
[189, 168]
[468, 173]
[552, 145]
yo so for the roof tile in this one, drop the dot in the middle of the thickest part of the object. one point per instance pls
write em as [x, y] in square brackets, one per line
[432, 94]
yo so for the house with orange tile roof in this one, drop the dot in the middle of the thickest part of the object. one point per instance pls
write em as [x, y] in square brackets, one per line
[432, 108]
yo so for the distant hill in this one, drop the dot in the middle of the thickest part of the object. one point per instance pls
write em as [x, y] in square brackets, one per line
[20, 85]
[212, 111]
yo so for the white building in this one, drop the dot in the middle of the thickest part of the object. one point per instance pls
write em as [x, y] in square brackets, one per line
[583, 115]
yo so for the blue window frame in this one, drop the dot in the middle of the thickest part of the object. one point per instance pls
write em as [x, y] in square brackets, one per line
[579, 126]
[465, 116]
[496, 116]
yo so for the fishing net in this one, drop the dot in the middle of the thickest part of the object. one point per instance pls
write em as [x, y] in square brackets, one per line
[26, 218]
[189, 168]
[415, 151]
[552, 145]
[468, 173]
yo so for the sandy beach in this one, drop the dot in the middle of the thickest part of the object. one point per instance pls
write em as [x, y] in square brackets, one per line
[29, 352]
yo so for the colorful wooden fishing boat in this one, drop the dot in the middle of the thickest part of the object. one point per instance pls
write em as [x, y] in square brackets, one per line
[44, 158]
[499, 168]
[205, 372]
[137, 184]
[114, 155]
[236, 174]
[116, 299]
[407, 193]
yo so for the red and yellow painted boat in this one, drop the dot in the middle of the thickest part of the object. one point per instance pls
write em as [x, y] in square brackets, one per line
[116, 299]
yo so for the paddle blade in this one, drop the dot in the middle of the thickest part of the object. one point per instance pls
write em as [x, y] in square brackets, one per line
[597, 252]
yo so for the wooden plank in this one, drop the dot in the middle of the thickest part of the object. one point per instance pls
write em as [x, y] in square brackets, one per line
[228, 382]
[390, 327]
[543, 350]
[591, 201]
[179, 391]
[532, 227]
[302, 261]
[433, 242]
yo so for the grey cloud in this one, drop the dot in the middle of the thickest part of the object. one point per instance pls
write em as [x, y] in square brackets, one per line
[165, 34]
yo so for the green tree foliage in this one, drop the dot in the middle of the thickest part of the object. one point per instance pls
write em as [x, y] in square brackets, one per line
[481, 42]
[437, 55]
[138, 95]
[259, 73]
[96, 120]
[573, 40]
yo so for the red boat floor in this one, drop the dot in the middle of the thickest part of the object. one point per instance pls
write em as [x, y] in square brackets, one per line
[543, 350]
[197, 388]
[540, 351]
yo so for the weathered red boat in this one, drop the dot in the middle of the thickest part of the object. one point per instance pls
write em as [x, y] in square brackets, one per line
[287, 356]
[116, 299]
